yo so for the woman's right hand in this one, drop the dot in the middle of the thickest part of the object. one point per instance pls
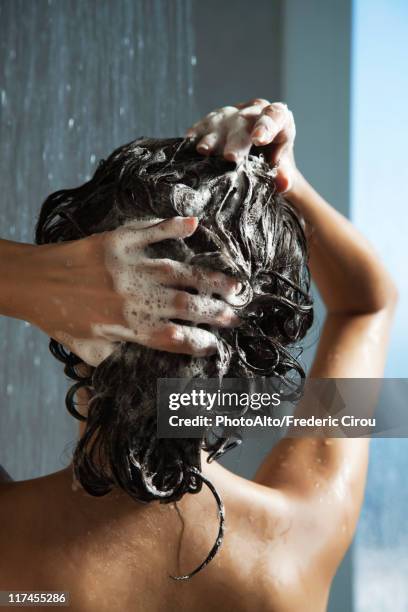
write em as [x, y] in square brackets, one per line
[89, 294]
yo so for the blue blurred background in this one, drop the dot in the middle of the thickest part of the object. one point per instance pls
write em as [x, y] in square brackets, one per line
[378, 206]
[79, 78]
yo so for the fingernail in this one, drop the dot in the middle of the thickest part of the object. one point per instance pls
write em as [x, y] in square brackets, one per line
[231, 316]
[231, 156]
[238, 287]
[193, 221]
[183, 218]
[259, 136]
[203, 147]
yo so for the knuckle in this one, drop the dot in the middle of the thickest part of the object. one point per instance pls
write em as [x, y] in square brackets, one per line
[161, 227]
[268, 111]
[253, 101]
[258, 101]
[206, 140]
[121, 235]
[279, 105]
[181, 301]
[216, 278]
[276, 107]
[230, 282]
[197, 276]
[242, 116]
[226, 313]
[141, 264]
[171, 334]
[210, 137]
[166, 266]
[228, 110]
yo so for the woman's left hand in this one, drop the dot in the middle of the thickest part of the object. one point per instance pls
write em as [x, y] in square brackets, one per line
[231, 131]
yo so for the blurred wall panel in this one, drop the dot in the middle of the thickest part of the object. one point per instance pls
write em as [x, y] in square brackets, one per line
[238, 52]
[77, 79]
[316, 81]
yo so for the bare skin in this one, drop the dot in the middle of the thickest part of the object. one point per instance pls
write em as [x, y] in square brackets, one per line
[289, 528]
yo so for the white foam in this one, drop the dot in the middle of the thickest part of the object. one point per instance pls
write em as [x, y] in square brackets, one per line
[149, 305]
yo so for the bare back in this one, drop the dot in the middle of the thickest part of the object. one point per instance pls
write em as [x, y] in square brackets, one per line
[112, 553]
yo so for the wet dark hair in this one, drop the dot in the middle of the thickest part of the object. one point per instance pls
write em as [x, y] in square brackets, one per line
[245, 229]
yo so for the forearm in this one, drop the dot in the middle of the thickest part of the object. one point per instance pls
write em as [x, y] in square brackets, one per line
[14, 257]
[348, 273]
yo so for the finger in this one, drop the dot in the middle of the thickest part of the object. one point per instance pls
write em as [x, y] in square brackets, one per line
[253, 102]
[277, 151]
[200, 309]
[283, 180]
[192, 132]
[212, 122]
[252, 112]
[275, 123]
[176, 227]
[222, 112]
[175, 338]
[165, 303]
[177, 274]
[169, 337]
[238, 143]
[94, 351]
[208, 143]
[201, 127]
[196, 129]
[126, 242]
[275, 120]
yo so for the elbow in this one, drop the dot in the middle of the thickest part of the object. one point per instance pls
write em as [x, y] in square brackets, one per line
[384, 298]
[394, 297]
[391, 296]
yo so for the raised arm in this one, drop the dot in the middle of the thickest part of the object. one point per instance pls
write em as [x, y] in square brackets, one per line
[360, 299]
[324, 478]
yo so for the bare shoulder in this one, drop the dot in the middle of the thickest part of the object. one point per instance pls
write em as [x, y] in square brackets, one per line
[267, 512]
[21, 502]
[8, 491]
[274, 540]
[14, 506]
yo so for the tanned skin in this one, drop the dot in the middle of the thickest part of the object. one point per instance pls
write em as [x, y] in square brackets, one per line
[289, 528]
